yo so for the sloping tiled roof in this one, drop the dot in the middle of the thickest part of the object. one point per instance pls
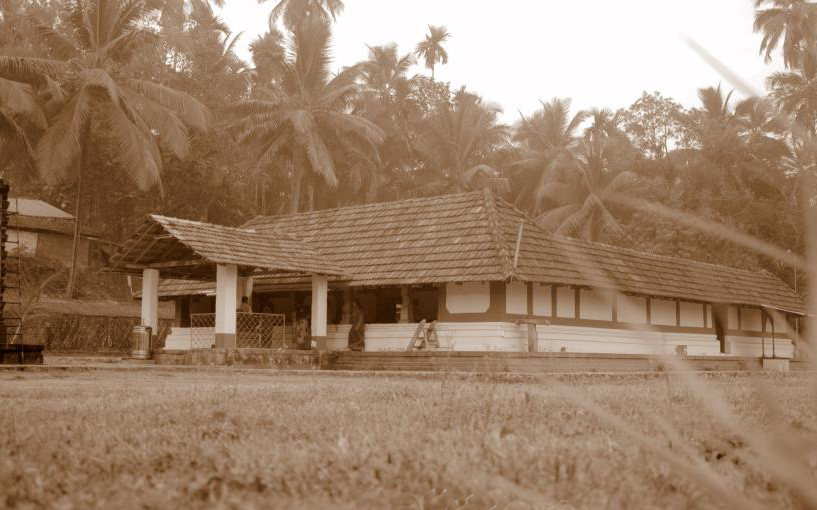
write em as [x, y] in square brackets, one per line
[547, 258]
[473, 237]
[198, 246]
[426, 240]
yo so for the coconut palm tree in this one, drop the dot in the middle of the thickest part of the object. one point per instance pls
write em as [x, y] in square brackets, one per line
[574, 200]
[136, 115]
[795, 93]
[19, 109]
[795, 21]
[547, 138]
[458, 141]
[294, 12]
[385, 69]
[304, 120]
[431, 48]
[268, 56]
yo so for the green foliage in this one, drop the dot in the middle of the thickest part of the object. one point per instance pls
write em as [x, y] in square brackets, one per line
[286, 134]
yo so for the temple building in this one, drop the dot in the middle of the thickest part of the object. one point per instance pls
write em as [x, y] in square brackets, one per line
[471, 262]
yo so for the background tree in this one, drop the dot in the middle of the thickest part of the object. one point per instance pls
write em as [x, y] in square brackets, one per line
[457, 143]
[137, 115]
[304, 122]
[294, 12]
[431, 49]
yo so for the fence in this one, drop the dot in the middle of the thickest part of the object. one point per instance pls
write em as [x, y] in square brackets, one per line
[253, 330]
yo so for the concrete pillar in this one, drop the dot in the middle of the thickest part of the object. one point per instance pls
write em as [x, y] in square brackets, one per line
[320, 290]
[226, 292]
[405, 305]
[150, 300]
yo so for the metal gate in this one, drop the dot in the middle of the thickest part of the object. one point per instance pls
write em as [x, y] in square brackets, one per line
[253, 330]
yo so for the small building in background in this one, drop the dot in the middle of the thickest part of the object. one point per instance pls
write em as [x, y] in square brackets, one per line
[47, 232]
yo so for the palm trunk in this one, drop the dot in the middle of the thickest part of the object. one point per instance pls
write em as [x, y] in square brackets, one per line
[295, 190]
[310, 190]
[72, 275]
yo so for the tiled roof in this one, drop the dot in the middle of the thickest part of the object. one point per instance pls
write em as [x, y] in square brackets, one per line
[198, 246]
[426, 240]
[547, 258]
[473, 237]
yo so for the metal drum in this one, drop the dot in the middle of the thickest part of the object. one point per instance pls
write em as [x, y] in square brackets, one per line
[140, 342]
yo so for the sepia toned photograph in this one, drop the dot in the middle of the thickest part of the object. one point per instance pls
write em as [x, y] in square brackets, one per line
[429, 255]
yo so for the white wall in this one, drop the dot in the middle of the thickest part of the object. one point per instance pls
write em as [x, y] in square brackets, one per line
[692, 315]
[732, 317]
[565, 302]
[753, 346]
[454, 336]
[27, 241]
[632, 309]
[516, 298]
[602, 340]
[467, 297]
[662, 312]
[542, 302]
[596, 305]
[750, 319]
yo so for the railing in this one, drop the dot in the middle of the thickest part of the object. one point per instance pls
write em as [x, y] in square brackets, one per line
[253, 330]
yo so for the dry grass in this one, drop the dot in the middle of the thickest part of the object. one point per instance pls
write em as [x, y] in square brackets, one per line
[168, 439]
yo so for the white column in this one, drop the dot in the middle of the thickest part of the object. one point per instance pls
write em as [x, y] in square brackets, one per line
[226, 290]
[150, 300]
[320, 288]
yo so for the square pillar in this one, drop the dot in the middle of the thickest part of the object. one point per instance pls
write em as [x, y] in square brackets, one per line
[320, 291]
[150, 300]
[226, 291]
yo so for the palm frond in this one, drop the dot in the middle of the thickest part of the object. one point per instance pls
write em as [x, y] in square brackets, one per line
[13, 136]
[59, 45]
[17, 99]
[171, 130]
[30, 70]
[190, 110]
[59, 147]
[136, 152]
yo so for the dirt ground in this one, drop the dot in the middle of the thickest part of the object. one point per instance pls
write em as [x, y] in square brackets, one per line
[164, 438]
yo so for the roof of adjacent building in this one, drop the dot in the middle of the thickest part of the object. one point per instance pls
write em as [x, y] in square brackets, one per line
[473, 237]
[36, 208]
[192, 249]
[36, 215]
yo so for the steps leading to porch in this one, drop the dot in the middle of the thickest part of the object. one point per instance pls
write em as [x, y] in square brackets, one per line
[521, 362]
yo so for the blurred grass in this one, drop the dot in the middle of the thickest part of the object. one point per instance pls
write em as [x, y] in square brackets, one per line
[163, 439]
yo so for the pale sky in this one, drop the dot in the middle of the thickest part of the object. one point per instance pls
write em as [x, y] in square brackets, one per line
[516, 52]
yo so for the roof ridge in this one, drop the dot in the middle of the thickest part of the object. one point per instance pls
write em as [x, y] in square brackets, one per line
[505, 267]
[395, 203]
[161, 217]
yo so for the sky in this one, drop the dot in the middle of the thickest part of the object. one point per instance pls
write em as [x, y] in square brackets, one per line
[515, 53]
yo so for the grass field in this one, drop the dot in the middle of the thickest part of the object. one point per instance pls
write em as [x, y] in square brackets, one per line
[221, 439]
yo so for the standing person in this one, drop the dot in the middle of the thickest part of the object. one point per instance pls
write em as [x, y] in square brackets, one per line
[357, 332]
[303, 335]
[245, 307]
